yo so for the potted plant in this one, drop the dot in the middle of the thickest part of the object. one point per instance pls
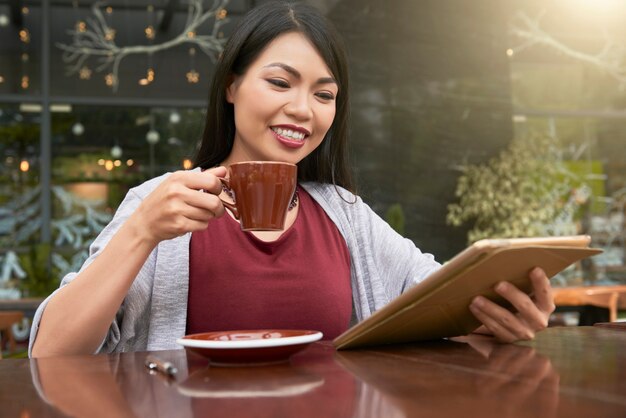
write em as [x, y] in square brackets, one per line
[527, 190]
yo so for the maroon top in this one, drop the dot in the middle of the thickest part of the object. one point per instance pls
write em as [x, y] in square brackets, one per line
[299, 281]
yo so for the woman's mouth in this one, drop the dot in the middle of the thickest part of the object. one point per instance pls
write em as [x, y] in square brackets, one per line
[289, 137]
[289, 134]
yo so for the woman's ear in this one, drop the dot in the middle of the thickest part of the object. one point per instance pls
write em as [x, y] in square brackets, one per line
[231, 88]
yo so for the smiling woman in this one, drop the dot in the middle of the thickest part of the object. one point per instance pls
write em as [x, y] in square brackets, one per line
[170, 263]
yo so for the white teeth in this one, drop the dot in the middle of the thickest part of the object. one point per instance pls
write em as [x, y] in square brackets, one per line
[288, 133]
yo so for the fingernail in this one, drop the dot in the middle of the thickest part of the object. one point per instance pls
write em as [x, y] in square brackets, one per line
[501, 287]
[536, 273]
[478, 301]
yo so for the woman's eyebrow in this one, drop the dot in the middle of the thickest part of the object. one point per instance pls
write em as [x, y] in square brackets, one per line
[296, 73]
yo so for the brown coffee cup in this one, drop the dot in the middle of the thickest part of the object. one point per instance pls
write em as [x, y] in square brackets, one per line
[262, 192]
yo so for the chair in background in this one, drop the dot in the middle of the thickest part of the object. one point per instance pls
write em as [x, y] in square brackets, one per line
[7, 319]
[610, 298]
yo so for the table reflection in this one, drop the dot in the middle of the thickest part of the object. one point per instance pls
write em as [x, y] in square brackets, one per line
[115, 385]
[77, 389]
[120, 385]
[503, 380]
[283, 380]
[299, 388]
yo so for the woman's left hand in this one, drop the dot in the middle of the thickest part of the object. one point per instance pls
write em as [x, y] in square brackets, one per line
[532, 312]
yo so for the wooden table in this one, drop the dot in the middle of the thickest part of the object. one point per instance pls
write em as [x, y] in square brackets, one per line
[566, 372]
[620, 326]
[609, 297]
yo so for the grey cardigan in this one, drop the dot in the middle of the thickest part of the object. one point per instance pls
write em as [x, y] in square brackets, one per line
[154, 312]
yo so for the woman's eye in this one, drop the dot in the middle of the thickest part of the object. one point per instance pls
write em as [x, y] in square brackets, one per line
[326, 96]
[278, 82]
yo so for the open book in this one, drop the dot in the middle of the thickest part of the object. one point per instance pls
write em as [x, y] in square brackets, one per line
[438, 306]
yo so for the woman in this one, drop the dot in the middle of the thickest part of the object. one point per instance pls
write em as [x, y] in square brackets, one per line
[172, 261]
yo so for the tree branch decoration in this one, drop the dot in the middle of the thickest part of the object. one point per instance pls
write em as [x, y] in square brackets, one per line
[94, 40]
[611, 59]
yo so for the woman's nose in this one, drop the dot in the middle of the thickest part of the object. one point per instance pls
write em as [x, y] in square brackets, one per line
[299, 107]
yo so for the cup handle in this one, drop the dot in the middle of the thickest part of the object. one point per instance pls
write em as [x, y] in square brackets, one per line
[229, 205]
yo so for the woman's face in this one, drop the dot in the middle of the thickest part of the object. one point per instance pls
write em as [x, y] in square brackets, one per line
[284, 103]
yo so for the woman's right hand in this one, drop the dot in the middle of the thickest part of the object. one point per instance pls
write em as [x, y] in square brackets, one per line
[69, 325]
[178, 205]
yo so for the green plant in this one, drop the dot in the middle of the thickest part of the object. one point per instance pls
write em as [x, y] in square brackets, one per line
[395, 218]
[41, 278]
[526, 190]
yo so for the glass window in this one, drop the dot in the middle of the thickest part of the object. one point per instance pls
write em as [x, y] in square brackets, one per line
[20, 191]
[98, 154]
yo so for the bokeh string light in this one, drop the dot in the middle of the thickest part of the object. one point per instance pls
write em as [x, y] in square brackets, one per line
[150, 33]
[109, 31]
[80, 26]
[24, 35]
[192, 75]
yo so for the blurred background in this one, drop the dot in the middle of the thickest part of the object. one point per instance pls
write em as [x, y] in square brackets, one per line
[470, 119]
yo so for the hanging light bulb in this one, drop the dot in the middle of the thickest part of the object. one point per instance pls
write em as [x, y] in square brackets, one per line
[84, 73]
[174, 141]
[24, 36]
[116, 151]
[150, 32]
[221, 14]
[153, 136]
[109, 79]
[193, 77]
[174, 117]
[109, 34]
[78, 129]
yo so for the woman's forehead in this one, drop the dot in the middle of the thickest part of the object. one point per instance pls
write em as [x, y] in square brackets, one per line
[295, 50]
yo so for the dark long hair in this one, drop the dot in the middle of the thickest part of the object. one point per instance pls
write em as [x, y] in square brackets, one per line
[329, 162]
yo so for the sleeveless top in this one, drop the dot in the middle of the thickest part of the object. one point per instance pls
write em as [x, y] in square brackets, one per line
[299, 281]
